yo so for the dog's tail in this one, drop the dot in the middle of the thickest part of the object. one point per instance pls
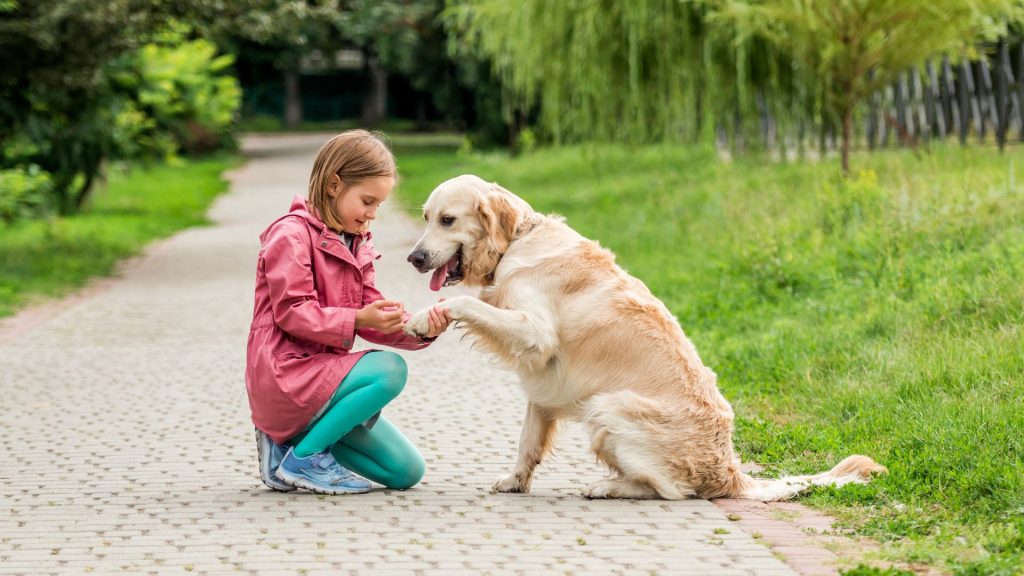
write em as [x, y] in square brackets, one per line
[853, 470]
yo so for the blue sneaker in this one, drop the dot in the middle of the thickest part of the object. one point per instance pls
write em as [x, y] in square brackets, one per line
[320, 473]
[270, 455]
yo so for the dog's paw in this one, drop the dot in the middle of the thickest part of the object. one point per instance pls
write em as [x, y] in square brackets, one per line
[418, 325]
[618, 488]
[511, 484]
[602, 489]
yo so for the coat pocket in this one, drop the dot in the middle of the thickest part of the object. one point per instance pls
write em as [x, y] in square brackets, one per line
[290, 350]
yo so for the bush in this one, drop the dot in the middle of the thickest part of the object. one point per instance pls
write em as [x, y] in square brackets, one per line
[24, 193]
[146, 103]
[180, 99]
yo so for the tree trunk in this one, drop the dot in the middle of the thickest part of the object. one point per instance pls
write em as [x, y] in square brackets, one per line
[375, 103]
[86, 188]
[292, 100]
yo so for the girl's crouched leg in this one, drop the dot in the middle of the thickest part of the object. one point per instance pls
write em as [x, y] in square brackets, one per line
[382, 454]
[376, 380]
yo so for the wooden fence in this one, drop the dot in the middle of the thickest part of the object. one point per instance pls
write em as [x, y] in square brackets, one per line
[974, 101]
[979, 98]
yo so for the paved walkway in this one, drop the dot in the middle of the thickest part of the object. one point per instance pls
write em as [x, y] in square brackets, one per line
[130, 447]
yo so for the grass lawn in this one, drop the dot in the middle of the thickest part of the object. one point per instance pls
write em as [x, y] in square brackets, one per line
[883, 315]
[51, 257]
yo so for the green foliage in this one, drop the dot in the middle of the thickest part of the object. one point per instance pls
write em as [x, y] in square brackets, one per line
[279, 31]
[879, 314]
[180, 97]
[657, 71]
[639, 71]
[24, 193]
[56, 93]
[52, 87]
[51, 256]
[397, 37]
[856, 47]
[412, 41]
[863, 570]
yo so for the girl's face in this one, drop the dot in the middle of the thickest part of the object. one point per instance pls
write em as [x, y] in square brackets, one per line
[356, 205]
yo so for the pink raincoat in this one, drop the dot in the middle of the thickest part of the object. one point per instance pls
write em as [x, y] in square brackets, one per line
[309, 286]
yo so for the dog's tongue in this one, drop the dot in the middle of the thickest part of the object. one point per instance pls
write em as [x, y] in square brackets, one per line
[437, 280]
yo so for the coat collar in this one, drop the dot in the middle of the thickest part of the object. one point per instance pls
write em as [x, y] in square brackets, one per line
[329, 241]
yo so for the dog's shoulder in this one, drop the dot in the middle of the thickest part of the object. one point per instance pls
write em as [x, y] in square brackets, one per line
[549, 239]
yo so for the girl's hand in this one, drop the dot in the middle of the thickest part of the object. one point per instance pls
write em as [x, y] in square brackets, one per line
[438, 320]
[383, 315]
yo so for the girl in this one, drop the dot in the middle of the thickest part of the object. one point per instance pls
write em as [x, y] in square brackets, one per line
[309, 394]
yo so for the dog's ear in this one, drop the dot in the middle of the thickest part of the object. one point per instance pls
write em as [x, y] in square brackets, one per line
[499, 219]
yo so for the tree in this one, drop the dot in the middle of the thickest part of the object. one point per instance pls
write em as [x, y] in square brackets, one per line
[280, 32]
[859, 46]
[391, 35]
[640, 71]
[55, 95]
[409, 39]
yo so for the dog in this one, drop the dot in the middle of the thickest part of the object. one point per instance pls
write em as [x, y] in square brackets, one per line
[591, 343]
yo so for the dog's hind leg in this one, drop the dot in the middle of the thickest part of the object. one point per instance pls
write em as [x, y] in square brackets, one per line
[622, 439]
[536, 440]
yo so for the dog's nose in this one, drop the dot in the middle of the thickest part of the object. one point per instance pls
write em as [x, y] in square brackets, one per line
[417, 258]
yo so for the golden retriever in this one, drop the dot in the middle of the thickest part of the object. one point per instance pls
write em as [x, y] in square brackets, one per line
[589, 342]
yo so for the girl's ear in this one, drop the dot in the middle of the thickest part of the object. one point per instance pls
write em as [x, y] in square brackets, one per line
[333, 186]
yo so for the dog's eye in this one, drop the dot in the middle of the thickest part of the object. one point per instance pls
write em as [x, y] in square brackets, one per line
[447, 220]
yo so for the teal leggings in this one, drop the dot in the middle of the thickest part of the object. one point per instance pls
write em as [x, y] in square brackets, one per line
[380, 453]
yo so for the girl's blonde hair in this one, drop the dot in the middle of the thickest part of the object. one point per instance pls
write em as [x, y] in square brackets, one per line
[354, 156]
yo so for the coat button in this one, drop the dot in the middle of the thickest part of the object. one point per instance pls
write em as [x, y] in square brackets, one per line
[346, 343]
[324, 244]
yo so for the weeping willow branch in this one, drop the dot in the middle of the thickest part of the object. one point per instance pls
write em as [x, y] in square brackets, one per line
[639, 71]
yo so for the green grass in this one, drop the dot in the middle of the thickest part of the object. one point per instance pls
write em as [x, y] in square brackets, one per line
[880, 315]
[51, 257]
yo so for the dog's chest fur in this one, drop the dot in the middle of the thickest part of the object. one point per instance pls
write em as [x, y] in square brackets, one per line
[557, 281]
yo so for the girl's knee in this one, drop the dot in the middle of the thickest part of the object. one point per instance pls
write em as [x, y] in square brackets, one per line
[393, 372]
[409, 475]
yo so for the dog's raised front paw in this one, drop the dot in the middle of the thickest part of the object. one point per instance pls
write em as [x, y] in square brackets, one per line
[418, 325]
[511, 484]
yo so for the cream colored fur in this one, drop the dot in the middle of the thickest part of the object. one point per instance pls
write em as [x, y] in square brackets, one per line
[591, 343]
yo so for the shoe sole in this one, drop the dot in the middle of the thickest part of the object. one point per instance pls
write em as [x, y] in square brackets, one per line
[301, 482]
[266, 472]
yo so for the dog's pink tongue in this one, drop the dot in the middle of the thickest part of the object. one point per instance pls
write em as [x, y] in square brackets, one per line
[437, 280]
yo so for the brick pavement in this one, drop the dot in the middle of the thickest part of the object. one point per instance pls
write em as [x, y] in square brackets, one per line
[131, 451]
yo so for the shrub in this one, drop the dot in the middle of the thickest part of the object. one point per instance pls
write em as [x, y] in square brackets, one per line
[181, 99]
[23, 193]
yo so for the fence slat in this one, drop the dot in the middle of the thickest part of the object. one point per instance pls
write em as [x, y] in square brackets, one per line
[971, 93]
[1020, 91]
[871, 122]
[883, 126]
[1002, 99]
[932, 102]
[988, 96]
[949, 97]
[917, 97]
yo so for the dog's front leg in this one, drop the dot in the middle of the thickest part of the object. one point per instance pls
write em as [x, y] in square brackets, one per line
[534, 442]
[525, 332]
